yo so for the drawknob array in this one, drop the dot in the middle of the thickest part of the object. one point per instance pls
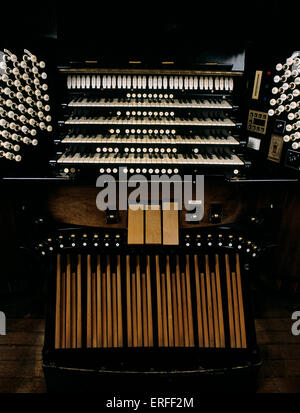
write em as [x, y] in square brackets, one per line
[113, 240]
[24, 103]
[286, 93]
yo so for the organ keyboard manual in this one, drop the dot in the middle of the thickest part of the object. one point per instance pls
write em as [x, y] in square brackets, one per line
[155, 121]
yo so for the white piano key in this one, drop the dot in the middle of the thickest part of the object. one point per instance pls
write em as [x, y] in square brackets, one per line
[186, 82]
[201, 83]
[134, 82]
[82, 82]
[128, 82]
[217, 83]
[180, 82]
[78, 81]
[69, 82]
[97, 158]
[159, 82]
[221, 83]
[119, 82]
[195, 81]
[93, 82]
[74, 158]
[88, 81]
[211, 83]
[113, 82]
[144, 82]
[231, 83]
[98, 82]
[176, 82]
[191, 82]
[171, 82]
[226, 83]
[108, 82]
[154, 82]
[205, 83]
[150, 82]
[165, 82]
[104, 81]
[124, 82]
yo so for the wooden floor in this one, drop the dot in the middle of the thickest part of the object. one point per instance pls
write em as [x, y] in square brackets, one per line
[21, 356]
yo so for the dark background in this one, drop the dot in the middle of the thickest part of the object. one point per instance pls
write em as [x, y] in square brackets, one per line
[113, 31]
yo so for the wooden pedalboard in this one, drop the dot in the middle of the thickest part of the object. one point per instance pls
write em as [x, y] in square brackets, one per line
[178, 316]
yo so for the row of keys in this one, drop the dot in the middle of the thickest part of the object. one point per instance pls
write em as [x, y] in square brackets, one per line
[222, 83]
[147, 102]
[150, 139]
[103, 120]
[221, 158]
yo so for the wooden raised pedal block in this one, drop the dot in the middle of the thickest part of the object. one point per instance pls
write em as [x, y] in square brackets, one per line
[135, 225]
[153, 233]
[153, 224]
[170, 223]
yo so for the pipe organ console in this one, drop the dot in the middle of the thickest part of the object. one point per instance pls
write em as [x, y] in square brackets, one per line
[149, 122]
[142, 295]
[154, 298]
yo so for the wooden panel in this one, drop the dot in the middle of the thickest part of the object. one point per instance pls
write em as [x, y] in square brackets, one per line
[22, 385]
[218, 192]
[280, 351]
[20, 369]
[135, 226]
[279, 385]
[76, 205]
[153, 224]
[170, 224]
[15, 353]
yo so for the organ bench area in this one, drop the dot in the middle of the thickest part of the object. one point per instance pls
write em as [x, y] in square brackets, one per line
[148, 121]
